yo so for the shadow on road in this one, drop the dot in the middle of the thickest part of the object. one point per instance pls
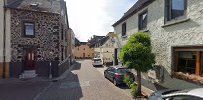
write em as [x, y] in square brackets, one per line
[123, 86]
[98, 66]
[77, 66]
[66, 89]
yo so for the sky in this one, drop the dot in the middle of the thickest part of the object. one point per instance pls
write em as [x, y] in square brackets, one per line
[95, 17]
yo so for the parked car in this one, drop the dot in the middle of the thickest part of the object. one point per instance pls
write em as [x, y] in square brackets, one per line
[192, 94]
[116, 74]
[97, 62]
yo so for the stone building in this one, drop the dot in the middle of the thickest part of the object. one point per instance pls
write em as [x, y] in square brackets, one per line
[176, 29]
[35, 37]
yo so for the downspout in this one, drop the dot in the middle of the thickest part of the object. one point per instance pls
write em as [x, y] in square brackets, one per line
[4, 41]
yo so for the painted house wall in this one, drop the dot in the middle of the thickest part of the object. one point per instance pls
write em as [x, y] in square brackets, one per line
[79, 50]
[7, 40]
[107, 50]
[164, 38]
[1, 36]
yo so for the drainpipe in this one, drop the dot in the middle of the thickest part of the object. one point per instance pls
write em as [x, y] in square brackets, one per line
[4, 41]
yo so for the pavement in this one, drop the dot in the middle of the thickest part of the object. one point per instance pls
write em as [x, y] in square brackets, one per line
[21, 90]
[81, 82]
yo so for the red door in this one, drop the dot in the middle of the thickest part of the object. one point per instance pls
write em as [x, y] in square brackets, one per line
[30, 59]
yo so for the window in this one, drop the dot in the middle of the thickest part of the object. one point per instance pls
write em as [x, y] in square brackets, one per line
[66, 37]
[143, 20]
[62, 33]
[66, 52]
[62, 52]
[175, 9]
[113, 70]
[123, 29]
[29, 29]
[187, 62]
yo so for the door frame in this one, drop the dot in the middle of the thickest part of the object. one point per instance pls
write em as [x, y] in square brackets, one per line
[25, 49]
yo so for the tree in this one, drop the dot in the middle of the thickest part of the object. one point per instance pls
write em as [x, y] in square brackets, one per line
[136, 54]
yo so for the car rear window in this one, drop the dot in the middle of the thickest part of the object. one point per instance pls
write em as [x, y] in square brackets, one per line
[97, 59]
[122, 70]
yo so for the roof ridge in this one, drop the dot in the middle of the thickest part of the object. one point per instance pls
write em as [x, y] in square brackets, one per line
[140, 4]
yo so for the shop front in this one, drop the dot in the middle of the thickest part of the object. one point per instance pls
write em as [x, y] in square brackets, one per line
[188, 64]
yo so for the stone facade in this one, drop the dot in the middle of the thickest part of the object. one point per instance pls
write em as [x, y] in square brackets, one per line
[49, 42]
[165, 36]
[46, 40]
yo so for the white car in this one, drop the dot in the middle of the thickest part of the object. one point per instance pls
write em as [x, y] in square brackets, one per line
[97, 62]
[192, 94]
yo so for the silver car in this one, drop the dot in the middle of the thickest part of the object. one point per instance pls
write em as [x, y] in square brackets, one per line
[97, 62]
[192, 94]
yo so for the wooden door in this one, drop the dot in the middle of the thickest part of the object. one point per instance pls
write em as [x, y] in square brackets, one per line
[30, 59]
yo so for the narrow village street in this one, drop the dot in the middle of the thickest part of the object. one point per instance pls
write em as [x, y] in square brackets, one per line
[83, 82]
[101, 49]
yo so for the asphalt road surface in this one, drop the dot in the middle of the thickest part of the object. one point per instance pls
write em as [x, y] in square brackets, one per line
[83, 82]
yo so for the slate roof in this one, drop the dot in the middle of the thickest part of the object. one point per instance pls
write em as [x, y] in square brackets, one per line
[77, 42]
[83, 43]
[95, 40]
[103, 41]
[52, 6]
[134, 9]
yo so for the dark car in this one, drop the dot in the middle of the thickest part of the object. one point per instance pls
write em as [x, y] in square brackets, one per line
[116, 74]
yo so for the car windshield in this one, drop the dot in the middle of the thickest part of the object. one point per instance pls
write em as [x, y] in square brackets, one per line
[122, 71]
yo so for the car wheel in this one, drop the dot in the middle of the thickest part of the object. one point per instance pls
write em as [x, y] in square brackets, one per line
[114, 82]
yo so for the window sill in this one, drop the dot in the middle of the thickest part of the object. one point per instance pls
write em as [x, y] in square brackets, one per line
[177, 21]
[27, 36]
[192, 78]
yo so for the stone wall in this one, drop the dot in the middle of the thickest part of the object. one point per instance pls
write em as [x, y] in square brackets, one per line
[47, 29]
[164, 38]
[46, 40]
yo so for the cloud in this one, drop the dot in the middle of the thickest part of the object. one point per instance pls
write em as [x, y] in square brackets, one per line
[94, 17]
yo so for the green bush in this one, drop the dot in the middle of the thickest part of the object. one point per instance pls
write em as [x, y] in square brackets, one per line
[133, 88]
[127, 80]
